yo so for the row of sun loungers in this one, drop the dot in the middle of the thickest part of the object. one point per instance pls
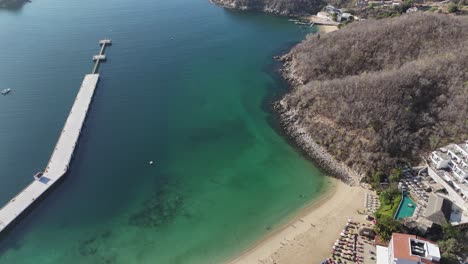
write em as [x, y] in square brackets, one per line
[417, 212]
[415, 187]
[347, 248]
[372, 203]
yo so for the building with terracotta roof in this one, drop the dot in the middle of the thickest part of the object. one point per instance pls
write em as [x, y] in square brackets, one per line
[408, 249]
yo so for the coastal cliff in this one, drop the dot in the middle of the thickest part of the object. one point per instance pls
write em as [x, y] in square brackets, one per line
[280, 7]
[378, 93]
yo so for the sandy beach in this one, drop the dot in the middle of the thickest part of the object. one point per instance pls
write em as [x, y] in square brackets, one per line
[326, 29]
[308, 238]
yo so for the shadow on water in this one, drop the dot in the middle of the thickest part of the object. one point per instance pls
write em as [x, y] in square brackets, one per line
[275, 91]
[13, 237]
[13, 5]
[278, 88]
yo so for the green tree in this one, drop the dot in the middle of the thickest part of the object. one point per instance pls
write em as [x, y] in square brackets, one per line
[452, 8]
[448, 259]
[450, 232]
[450, 246]
[334, 16]
[395, 174]
[403, 7]
[386, 226]
[408, 2]
[434, 139]
[386, 197]
[376, 179]
[389, 194]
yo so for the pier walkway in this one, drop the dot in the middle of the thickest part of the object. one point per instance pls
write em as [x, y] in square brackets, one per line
[62, 155]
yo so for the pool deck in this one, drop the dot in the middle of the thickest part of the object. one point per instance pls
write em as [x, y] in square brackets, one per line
[404, 205]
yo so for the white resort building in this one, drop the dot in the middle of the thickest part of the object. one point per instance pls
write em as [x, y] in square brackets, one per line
[448, 166]
[408, 249]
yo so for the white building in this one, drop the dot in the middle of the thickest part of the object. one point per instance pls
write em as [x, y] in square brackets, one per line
[449, 167]
[408, 249]
[440, 158]
[451, 164]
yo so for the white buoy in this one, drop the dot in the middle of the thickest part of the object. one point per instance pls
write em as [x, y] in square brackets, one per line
[151, 162]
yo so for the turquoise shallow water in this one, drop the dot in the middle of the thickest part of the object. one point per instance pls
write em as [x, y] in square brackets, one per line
[186, 85]
[405, 210]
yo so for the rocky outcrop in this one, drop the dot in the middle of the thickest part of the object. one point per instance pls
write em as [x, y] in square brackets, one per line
[279, 7]
[298, 134]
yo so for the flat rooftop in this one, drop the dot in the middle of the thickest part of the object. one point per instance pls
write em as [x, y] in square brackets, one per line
[453, 148]
[458, 215]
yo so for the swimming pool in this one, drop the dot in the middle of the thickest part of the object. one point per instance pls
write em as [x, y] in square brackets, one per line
[405, 209]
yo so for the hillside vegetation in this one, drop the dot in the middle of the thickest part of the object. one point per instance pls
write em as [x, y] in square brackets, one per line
[283, 7]
[379, 92]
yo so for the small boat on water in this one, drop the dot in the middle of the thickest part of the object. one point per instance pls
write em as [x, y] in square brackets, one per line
[410, 205]
[6, 91]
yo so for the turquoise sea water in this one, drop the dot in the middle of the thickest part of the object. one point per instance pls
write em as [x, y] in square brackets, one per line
[186, 85]
[405, 210]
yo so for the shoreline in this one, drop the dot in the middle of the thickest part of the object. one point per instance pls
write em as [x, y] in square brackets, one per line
[298, 136]
[302, 234]
[290, 127]
[326, 28]
[310, 234]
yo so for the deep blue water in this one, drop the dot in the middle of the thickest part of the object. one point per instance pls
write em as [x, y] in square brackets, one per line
[185, 85]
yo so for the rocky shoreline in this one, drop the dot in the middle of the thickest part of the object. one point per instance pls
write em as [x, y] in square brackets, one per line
[292, 128]
[269, 7]
[289, 123]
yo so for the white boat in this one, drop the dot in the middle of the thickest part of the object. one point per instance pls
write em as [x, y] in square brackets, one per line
[6, 91]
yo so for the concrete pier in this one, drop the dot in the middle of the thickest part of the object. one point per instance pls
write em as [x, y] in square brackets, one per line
[101, 57]
[62, 154]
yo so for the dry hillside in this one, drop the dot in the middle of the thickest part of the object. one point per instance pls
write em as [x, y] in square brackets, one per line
[379, 92]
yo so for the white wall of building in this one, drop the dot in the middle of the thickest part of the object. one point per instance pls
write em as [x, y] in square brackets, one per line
[454, 196]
